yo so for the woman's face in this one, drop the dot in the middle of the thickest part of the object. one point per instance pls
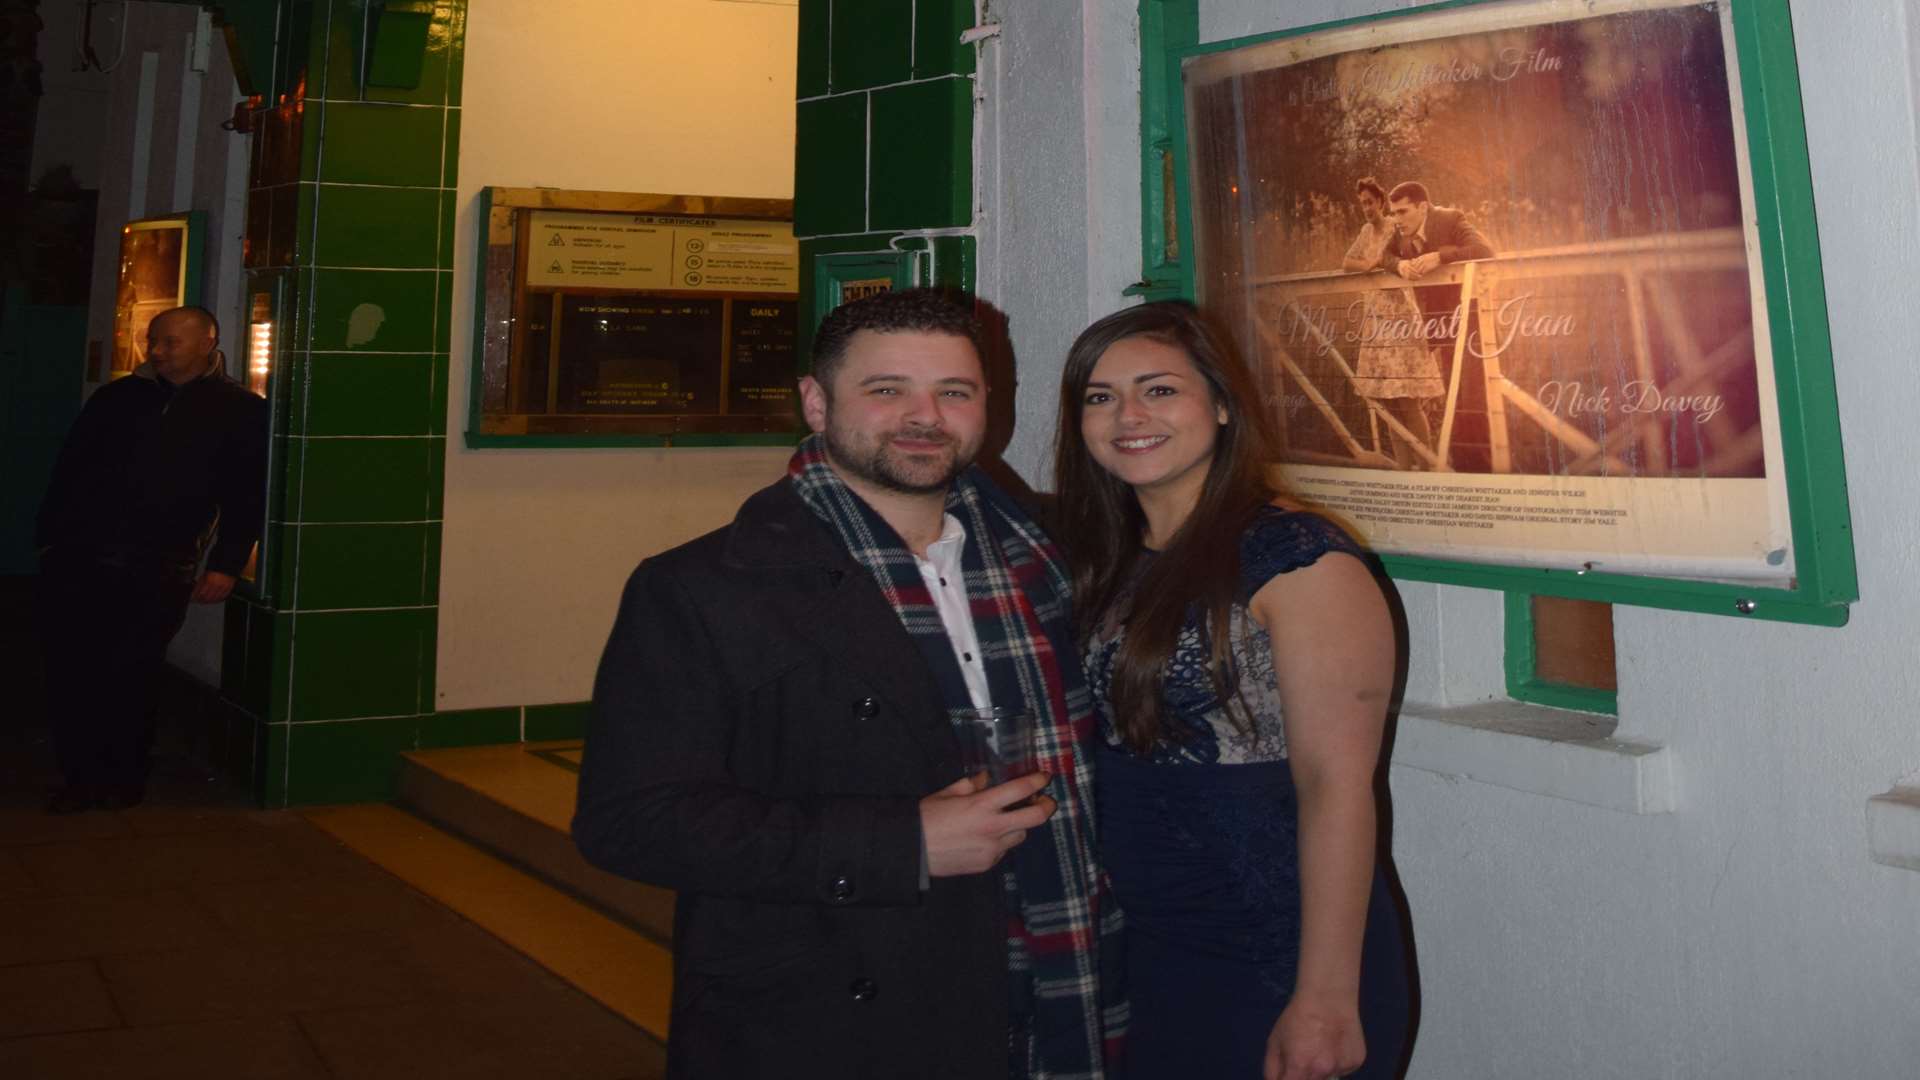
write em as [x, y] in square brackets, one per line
[1149, 418]
[1370, 205]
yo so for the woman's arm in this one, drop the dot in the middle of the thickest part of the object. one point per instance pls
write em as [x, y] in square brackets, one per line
[1356, 260]
[1333, 655]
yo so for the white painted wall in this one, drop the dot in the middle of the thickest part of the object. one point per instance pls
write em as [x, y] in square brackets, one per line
[1745, 934]
[675, 96]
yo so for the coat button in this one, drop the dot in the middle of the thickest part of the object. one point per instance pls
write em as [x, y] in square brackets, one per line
[842, 888]
[866, 708]
[863, 989]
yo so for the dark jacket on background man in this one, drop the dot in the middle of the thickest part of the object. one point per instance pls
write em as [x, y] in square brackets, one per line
[762, 734]
[148, 467]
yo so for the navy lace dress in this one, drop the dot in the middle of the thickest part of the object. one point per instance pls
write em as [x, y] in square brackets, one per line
[1199, 838]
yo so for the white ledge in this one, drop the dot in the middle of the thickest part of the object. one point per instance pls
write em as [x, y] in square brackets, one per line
[1542, 751]
[1893, 828]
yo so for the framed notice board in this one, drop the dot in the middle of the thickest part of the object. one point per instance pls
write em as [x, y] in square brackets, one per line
[618, 319]
[1500, 366]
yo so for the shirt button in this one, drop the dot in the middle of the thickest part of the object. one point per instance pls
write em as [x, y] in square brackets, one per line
[863, 989]
[866, 708]
[841, 889]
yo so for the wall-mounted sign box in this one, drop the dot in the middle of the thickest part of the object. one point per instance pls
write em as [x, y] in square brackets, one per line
[609, 318]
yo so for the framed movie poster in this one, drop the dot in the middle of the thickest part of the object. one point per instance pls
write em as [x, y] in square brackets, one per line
[159, 269]
[1516, 278]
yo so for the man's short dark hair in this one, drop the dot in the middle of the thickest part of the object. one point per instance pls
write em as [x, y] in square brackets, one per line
[200, 314]
[1412, 191]
[922, 310]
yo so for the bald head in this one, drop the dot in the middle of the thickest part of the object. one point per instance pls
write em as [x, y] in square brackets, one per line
[180, 342]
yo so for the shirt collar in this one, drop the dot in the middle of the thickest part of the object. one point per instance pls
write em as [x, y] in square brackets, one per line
[944, 554]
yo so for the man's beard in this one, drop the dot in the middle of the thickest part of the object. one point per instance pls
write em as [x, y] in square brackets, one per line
[875, 460]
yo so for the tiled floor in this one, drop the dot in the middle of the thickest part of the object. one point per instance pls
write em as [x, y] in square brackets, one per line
[196, 937]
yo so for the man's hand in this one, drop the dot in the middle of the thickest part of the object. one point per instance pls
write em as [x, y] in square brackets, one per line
[213, 587]
[968, 829]
[1420, 265]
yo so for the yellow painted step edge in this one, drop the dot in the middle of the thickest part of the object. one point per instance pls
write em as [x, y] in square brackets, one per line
[610, 963]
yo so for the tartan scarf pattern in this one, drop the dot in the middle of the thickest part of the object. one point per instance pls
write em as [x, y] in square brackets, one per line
[1060, 918]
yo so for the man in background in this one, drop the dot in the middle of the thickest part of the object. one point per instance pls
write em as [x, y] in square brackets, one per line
[163, 468]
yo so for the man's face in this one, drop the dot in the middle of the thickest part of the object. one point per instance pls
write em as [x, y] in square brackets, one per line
[178, 344]
[1409, 216]
[906, 413]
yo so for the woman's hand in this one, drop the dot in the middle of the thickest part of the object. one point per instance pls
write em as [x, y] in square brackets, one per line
[1314, 1041]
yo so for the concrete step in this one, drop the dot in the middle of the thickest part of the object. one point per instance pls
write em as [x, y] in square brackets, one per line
[625, 970]
[517, 801]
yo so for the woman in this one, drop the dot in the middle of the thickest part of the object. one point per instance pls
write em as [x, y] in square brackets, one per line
[1393, 365]
[1241, 657]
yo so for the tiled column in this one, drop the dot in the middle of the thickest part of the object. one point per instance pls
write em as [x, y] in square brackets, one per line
[338, 656]
[884, 133]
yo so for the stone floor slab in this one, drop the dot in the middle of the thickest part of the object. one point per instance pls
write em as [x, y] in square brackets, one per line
[43, 929]
[43, 999]
[257, 1050]
[266, 979]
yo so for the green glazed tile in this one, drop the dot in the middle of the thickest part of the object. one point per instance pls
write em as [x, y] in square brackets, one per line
[373, 310]
[470, 727]
[380, 228]
[437, 411]
[270, 767]
[430, 563]
[447, 213]
[370, 479]
[357, 394]
[382, 144]
[567, 721]
[360, 663]
[953, 262]
[830, 166]
[922, 171]
[432, 87]
[872, 43]
[361, 566]
[283, 481]
[450, 163]
[348, 761]
[284, 541]
[456, 48]
[937, 26]
[816, 29]
[436, 479]
[443, 312]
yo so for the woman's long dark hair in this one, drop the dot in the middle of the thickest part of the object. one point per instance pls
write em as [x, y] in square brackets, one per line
[1100, 523]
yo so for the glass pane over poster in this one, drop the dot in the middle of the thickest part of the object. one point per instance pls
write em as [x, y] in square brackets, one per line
[1499, 266]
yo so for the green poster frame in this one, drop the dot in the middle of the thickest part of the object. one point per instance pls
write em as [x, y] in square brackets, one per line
[1818, 508]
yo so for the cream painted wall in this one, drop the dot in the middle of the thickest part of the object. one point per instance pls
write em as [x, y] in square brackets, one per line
[1746, 934]
[677, 96]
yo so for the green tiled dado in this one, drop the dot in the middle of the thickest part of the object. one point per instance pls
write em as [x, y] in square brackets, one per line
[922, 169]
[450, 168]
[383, 228]
[470, 727]
[872, 43]
[362, 566]
[270, 766]
[568, 721]
[369, 479]
[381, 144]
[373, 310]
[816, 28]
[937, 26]
[358, 394]
[830, 167]
[361, 663]
[347, 760]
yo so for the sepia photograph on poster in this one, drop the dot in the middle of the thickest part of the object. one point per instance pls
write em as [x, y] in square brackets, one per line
[1498, 268]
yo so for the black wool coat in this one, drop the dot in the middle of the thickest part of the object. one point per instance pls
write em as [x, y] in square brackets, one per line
[762, 732]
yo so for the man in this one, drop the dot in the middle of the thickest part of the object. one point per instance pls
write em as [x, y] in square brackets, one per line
[158, 464]
[1427, 237]
[771, 738]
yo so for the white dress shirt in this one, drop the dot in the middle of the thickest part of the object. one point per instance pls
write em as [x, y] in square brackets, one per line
[942, 572]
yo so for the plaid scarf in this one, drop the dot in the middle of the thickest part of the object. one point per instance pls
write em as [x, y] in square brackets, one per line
[1060, 919]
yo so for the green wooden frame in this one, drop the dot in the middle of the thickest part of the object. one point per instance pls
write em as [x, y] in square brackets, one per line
[1523, 677]
[1796, 306]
